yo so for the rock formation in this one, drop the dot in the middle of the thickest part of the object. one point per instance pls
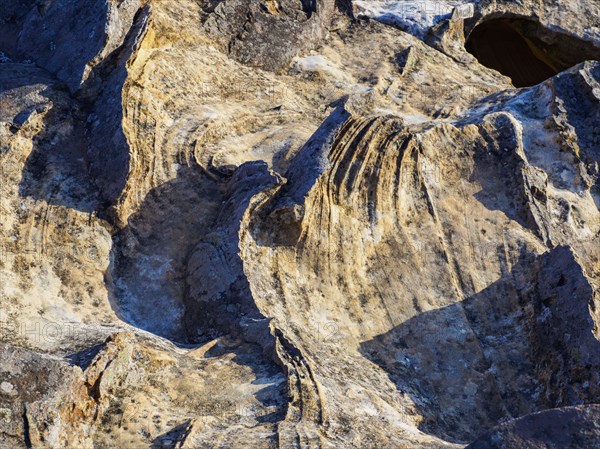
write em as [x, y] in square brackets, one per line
[299, 224]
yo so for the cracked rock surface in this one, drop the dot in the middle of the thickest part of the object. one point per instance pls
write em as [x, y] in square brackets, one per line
[299, 224]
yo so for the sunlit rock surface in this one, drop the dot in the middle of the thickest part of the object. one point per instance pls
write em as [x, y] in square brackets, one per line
[299, 224]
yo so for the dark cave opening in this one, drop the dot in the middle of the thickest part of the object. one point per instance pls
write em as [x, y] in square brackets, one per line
[525, 50]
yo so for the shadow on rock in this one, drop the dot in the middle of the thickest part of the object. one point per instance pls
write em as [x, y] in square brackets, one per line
[455, 364]
[506, 194]
[148, 270]
[108, 149]
[567, 427]
[56, 170]
[219, 298]
[171, 439]
[81, 160]
[175, 268]
[66, 36]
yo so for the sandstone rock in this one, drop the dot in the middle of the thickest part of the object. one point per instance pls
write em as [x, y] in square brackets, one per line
[281, 224]
[268, 33]
[569, 427]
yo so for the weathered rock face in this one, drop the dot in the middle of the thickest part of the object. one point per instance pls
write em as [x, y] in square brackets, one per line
[69, 39]
[418, 217]
[281, 224]
[267, 33]
[557, 428]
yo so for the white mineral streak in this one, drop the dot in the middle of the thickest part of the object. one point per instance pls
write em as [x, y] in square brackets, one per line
[413, 16]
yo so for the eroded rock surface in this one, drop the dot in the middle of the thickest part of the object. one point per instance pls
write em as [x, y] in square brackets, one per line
[282, 224]
[569, 427]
